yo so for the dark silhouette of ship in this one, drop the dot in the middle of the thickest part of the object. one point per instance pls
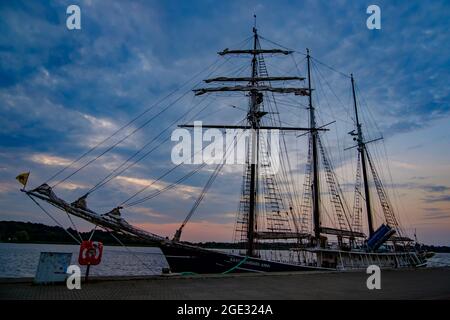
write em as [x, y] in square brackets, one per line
[271, 211]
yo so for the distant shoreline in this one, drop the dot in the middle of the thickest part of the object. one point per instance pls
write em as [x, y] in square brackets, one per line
[74, 244]
[38, 233]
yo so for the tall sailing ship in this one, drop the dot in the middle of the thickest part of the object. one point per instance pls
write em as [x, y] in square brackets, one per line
[278, 227]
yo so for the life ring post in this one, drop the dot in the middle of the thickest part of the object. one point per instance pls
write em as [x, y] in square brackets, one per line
[86, 277]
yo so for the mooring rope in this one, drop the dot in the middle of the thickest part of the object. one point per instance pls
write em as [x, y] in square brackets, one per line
[189, 273]
[130, 251]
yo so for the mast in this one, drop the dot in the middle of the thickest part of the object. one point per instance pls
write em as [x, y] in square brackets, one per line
[255, 85]
[315, 160]
[254, 121]
[362, 151]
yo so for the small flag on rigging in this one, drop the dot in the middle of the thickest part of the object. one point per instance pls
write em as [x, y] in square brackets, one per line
[23, 178]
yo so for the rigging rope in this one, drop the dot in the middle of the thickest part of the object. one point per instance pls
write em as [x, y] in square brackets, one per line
[331, 68]
[75, 227]
[189, 273]
[133, 132]
[113, 174]
[130, 122]
[304, 54]
[51, 217]
[205, 190]
[131, 252]
[341, 155]
[123, 139]
[158, 192]
[289, 188]
[153, 195]
[92, 233]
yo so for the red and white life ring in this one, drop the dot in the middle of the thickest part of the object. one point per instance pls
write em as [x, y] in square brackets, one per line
[90, 253]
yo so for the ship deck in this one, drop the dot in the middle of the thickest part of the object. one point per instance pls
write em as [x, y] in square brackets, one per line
[430, 283]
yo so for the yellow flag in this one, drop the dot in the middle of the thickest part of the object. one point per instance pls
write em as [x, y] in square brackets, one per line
[23, 178]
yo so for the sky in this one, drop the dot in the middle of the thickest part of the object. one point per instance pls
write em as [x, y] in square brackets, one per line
[63, 91]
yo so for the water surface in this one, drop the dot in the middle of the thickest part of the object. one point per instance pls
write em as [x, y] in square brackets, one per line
[21, 260]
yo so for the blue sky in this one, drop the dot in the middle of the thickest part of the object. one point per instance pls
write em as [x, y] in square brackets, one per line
[62, 91]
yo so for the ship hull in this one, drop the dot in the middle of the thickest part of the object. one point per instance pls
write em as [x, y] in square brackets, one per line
[187, 259]
[348, 260]
[190, 259]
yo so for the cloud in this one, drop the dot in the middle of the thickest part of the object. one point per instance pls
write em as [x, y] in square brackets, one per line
[139, 182]
[6, 187]
[435, 188]
[428, 187]
[148, 212]
[404, 165]
[440, 198]
[101, 123]
[184, 191]
[62, 92]
[72, 186]
[436, 214]
[419, 178]
[50, 160]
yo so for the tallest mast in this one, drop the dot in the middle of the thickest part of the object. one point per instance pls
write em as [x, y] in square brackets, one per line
[253, 116]
[255, 85]
[362, 152]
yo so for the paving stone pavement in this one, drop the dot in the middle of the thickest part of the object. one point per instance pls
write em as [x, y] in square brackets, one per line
[395, 284]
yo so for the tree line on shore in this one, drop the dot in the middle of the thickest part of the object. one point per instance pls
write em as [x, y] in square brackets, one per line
[28, 232]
